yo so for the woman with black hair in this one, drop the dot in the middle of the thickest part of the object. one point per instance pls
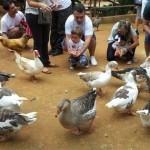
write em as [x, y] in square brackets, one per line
[125, 30]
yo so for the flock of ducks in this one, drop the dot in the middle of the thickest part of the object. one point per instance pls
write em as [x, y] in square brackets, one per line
[77, 114]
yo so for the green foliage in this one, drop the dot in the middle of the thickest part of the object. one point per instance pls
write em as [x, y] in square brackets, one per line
[126, 2]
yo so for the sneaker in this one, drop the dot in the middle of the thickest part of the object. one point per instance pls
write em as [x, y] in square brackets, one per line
[87, 66]
[93, 61]
[130, 62]
[71, 68]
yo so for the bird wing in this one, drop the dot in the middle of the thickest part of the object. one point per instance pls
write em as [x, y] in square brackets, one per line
[90, 76]
[83, 104]
[125, 96]
[5, 92]
[8, 121]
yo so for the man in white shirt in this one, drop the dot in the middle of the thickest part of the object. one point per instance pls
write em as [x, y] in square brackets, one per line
[11, 21]
[79, 19]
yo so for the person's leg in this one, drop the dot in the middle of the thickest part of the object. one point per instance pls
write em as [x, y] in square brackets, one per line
[91, 48]
[15, 33]
[83, 61]
[45, 40]
[62, 16]
[37, 35]
[110, 52]
[36, 30]
[138, 19]
[73, 62]
[130, 56]
[53, 35]
[147, 44]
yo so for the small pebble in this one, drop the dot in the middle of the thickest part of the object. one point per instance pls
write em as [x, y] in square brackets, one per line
[106, 135]
[66, 91]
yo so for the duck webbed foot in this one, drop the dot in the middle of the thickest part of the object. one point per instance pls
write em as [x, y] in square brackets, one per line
[76, 131]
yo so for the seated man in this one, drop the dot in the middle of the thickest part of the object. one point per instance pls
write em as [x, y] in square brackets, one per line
[13, 23]
[79, 19]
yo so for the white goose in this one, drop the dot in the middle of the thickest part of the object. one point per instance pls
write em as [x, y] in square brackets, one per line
[78, 114]
[99, 79]
[145, 115]
[11, 122]
[29, 66]
[126, 95]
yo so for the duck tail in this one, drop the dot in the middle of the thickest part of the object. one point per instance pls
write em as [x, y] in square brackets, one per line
[29, 118]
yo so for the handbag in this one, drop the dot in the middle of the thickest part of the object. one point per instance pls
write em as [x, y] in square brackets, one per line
[44, 17]
[138, 2]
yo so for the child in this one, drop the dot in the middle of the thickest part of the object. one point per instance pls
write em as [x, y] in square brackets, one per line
[75, 49]
[120, 45]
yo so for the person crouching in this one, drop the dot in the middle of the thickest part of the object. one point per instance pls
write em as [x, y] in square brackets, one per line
[75, 47]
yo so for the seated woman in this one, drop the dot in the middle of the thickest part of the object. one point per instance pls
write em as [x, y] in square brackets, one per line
[125, 51]
[75, 49]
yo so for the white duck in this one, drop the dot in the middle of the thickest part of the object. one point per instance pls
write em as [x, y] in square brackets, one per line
[10, 100]
[99, 79]
[126, 95]
[145, 115]
[78, 114]
[29, 66]
[11, 122]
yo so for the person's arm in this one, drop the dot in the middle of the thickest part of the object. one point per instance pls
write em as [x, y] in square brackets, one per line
[146, 26]
[88, 33]
[68, 29]
[40, 5]
[4, 28]
[86, 43]
[135, 43]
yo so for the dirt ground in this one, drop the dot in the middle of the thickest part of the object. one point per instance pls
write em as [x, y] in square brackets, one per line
[110, 131]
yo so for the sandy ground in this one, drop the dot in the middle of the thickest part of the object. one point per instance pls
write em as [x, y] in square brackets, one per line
[110, 131]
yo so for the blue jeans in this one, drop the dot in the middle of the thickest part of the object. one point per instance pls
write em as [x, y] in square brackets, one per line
[81, 61]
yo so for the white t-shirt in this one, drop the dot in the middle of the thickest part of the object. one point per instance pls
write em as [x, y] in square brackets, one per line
[113, 33]
[75, 46]
[86, 26]
[35, 11]
[8, 22]
[63, 4]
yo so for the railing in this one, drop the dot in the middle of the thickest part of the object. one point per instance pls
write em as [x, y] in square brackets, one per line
[95, 8]
[112, 10]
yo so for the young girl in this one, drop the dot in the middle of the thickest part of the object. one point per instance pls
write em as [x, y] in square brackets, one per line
[75, 49]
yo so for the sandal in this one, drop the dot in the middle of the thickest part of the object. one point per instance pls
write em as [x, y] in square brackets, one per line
[46, 70]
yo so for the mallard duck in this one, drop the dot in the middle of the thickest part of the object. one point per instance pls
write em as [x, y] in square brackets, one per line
[78, 114]
[126, 95]
[98, 79]
[29, 66]
[11, 122]
[10, 100]
[145, 115]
